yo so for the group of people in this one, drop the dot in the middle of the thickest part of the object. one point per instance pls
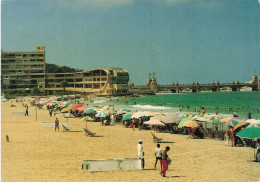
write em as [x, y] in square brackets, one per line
[161, 155]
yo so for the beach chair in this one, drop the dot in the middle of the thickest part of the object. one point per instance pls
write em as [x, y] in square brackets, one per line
[65, 128]
[156, 139]
[89, 133]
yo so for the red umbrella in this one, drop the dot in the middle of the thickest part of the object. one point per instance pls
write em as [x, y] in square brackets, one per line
[77, 106]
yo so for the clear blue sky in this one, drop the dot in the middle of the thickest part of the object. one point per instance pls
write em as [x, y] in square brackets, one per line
[179, 40]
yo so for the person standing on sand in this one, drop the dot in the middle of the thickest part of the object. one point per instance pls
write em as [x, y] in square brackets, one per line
[140, 152]
[26, 112]
[57, 124]
[158, 155]
[164, 161]
[227, 137]
[232, 136]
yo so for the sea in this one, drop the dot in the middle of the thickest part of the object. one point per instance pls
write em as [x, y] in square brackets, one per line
[240, 102]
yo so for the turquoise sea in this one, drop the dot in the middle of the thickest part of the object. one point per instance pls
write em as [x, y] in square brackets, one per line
[242, 102]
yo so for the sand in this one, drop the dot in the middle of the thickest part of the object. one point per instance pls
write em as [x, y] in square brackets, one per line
[37, 153]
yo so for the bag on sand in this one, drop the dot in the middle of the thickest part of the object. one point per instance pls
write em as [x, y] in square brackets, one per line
[169, 161]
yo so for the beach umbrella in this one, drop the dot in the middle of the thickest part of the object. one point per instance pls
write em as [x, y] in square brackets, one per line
[101, 114]
[251, 132]
[141, 114]
[82, 109]
[253, 121]
[90, 111]
[191, 124]
[180, 125]
[87, 118]
[171, 119]
[154, 122]
[233, 123]
[127, 116]
[77, 106]
[67, 109]
[213, 117]
[203, 119]
[216, 121]
[241, 124]
[68, 115]
[50, 104]
[69, 103]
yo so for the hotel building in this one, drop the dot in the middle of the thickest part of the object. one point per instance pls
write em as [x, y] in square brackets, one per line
[23, 70]
[26, 71]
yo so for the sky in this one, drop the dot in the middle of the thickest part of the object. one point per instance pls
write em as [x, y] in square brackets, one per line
[178, 40]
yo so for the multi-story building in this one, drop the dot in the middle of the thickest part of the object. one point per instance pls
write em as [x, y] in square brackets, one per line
[23, 71]
[106, 81]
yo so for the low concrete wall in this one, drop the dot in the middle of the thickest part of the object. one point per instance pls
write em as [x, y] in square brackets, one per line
[111, 164]
[52, 124]
[18, 113]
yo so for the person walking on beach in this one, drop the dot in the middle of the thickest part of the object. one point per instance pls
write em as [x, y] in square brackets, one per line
[26, 111]
[232, 136]
[227, 137]
[164, 161]
[140, 152]
[158, 155]
[57, 124]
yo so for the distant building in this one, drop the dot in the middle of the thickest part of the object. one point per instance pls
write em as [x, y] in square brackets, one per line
[105, 81]
[23, 70]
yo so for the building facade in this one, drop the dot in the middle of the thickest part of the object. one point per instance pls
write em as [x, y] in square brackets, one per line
[103, 82]
[23, 71]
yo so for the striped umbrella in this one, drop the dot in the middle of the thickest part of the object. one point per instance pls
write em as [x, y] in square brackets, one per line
[101, 114]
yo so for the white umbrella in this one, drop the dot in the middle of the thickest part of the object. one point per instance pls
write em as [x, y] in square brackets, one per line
[171, 119]
[140, 114]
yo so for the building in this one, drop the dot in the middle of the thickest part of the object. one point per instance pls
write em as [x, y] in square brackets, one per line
[103, 82]
[23, 71]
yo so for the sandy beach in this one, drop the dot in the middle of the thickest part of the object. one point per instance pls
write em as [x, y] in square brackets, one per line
[37, 153]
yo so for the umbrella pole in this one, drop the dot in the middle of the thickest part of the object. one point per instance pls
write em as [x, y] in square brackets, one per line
[254, 154]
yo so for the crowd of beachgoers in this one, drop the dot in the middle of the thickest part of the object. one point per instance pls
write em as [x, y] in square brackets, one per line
[195, 125]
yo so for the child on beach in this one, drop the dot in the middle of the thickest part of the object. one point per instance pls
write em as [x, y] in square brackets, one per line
[57, 124]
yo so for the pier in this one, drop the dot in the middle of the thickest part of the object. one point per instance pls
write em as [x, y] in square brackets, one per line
[153, 86]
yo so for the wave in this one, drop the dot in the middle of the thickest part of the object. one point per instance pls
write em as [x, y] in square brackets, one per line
[150, 107]
[99, 101]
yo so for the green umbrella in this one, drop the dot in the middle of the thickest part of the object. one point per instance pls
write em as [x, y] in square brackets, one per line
[101, 114]
[252, 132]
[127, 116]
[89, 111]
[180, 125]
[216, 121]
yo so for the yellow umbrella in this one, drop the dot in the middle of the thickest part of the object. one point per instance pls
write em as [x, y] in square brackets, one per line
[87, 118]
[67, 109]
[191, 124]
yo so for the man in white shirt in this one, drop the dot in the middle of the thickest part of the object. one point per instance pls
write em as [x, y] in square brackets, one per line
[158, 155]
[140, 152]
